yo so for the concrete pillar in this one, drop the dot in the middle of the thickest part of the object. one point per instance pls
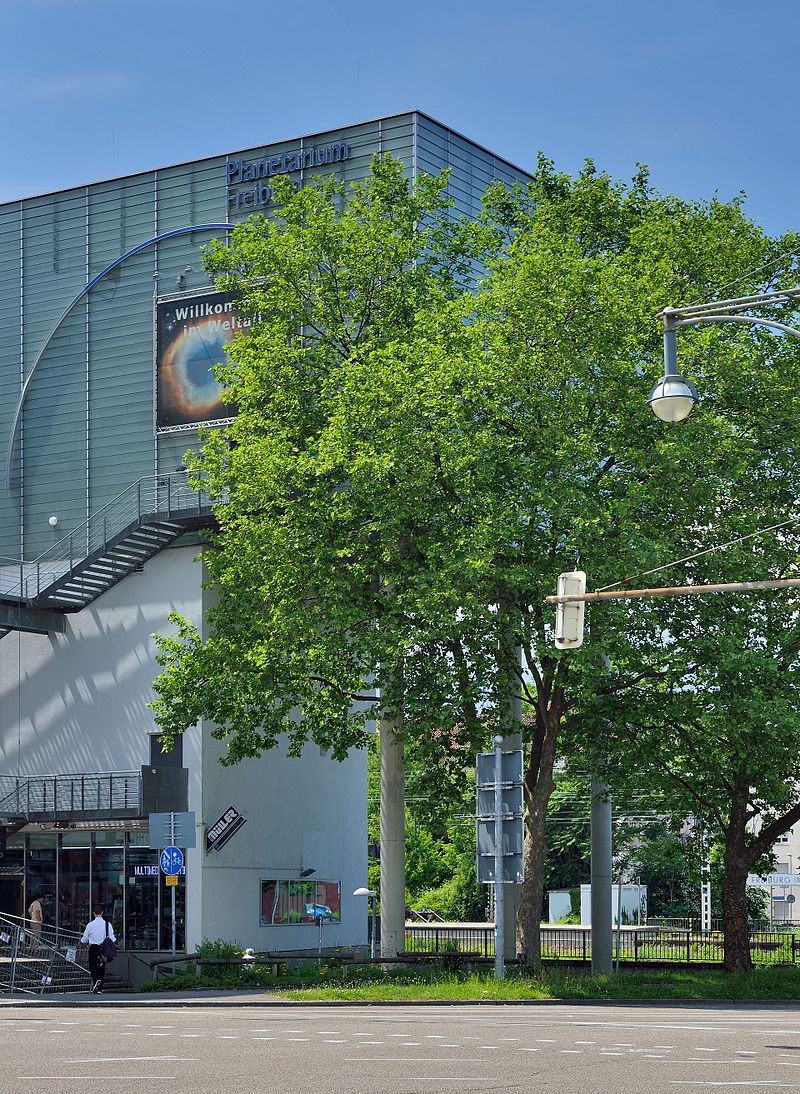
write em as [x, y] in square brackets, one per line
[601, 878]
[393, 841]
[513, 893]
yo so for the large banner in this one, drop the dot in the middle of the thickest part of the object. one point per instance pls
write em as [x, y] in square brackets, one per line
[191, 336]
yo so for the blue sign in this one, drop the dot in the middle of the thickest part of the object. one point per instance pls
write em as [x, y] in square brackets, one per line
[171, 860]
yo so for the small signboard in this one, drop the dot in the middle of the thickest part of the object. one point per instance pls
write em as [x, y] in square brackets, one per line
[511, 767]
[769, 880]
[163, 834]
[221, 830]
[511, 801]
[513, 869]
[172, 879]
[171, 860]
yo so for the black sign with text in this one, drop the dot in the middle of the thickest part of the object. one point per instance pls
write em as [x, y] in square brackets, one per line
[221, 831]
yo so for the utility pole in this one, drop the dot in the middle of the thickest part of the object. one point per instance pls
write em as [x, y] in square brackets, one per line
[393, 839]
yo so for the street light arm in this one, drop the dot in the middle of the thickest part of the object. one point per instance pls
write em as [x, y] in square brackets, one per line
[751, 319]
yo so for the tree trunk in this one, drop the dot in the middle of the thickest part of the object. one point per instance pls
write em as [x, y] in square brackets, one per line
[539, 786]
[736, 956]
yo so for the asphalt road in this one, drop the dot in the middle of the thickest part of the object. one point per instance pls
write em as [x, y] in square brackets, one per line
[398, 1050]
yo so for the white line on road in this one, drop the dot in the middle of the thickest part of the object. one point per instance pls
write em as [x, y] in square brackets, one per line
[732, 1082]
[128, 1059]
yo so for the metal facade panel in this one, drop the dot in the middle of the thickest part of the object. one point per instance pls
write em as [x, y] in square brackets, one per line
[10, 332]
[120, 338]
[53, 430]
[88, 423]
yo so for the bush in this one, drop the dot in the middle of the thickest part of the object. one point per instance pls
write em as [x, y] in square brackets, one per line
[217, 947]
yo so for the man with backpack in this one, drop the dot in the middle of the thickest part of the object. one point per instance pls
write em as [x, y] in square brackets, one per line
[102, 947]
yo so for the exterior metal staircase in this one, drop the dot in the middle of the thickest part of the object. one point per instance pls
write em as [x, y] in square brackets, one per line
[114, 542]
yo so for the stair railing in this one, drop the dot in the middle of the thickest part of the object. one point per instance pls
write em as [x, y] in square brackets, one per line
[147, 497]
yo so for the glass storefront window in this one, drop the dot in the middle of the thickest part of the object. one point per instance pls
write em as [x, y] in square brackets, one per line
[74, 877]
[108, 880]
[74, 869]
[41, 880]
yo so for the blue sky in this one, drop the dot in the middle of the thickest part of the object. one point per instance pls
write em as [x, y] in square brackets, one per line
[705, 93]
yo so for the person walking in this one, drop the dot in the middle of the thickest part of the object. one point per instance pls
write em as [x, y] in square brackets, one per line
[96, 932]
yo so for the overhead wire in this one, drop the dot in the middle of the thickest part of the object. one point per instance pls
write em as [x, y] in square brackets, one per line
[700, 554]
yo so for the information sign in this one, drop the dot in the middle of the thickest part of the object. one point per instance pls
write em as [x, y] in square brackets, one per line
[172, 879]
[770, 880]
[171, 860]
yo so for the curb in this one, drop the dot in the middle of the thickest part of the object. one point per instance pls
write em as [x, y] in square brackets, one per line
[160, 1001]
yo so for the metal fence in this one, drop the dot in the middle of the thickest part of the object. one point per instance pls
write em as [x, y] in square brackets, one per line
[646, 944]
[36, 959]
[93, 794]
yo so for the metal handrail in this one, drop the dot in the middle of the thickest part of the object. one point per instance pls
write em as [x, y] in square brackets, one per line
[22, 795]
[137, 501]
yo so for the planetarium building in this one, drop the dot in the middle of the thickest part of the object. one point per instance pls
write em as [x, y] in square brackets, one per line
[108, 330]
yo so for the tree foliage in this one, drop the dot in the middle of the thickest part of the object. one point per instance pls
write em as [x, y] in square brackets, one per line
[418, 453]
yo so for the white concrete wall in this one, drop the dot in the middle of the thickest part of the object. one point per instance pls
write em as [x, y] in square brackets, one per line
[303, 813]
[77, 702]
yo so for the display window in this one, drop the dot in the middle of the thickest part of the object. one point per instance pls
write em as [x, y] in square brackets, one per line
[299, 901]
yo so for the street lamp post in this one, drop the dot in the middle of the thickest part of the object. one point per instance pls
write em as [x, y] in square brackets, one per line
[372, 894]
[673, 396]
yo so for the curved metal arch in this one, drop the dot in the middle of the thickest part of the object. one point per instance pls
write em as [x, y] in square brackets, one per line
[752, 319]
[86, 289]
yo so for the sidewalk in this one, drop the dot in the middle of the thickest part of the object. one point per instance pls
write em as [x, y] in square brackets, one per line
[209, 998]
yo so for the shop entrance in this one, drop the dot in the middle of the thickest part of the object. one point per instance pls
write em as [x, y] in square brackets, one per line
[11, 895]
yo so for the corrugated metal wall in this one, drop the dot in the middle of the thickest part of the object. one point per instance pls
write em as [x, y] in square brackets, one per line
[88, 422]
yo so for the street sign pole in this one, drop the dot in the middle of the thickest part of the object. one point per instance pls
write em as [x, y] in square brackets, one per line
[173, 887]
[499, 887]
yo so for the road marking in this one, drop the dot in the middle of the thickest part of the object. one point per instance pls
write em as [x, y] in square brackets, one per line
[373, 1042]
[571, 1052]
[698, 1049]
[267, 1039]
[407, 1060]
[410, 1044]
[308, 1039]
[584, 1042]
[96, 1078]
[732, 1082]
[651, 1056]
[327, 1041]
[127, 1059]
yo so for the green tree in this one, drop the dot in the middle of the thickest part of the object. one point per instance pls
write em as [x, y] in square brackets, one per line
[416, 457]
[588, 474]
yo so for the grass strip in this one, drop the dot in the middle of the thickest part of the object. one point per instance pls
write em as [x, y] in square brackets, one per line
[765, 983]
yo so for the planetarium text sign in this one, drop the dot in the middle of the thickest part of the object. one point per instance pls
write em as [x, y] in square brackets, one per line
[247, 187]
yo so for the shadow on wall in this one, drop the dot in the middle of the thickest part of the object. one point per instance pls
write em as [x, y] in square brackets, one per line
[80, 703]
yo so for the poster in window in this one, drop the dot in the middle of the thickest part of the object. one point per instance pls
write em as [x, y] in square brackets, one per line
[192, 334]
[299, 901]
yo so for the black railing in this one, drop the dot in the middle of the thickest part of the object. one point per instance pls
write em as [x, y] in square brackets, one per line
[644, 944]
[89, 794]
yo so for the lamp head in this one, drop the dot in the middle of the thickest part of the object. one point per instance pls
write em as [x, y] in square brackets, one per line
[672, 398]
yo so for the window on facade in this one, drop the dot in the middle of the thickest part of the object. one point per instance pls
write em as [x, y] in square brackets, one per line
[299, 901]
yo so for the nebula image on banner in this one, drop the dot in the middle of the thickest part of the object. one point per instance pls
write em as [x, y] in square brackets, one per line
[192, 335]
